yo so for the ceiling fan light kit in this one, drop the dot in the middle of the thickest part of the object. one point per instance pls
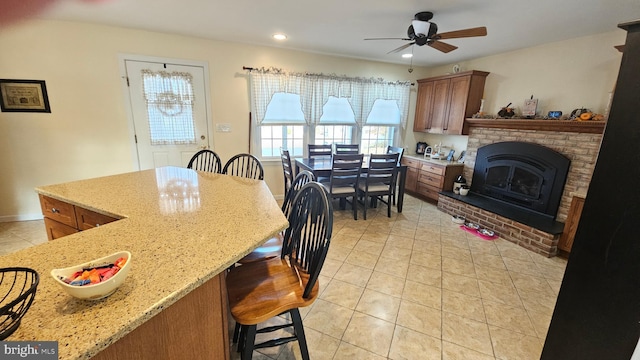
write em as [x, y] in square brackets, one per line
[424, 32]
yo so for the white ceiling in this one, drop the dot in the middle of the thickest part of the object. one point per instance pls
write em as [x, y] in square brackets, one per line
[338, 27]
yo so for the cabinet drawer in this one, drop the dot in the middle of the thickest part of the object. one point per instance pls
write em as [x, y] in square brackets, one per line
[430, 179]
[57, 230]
[435, 169]
[88, 219]
[428, 191]
[411, 163]
[59, 211]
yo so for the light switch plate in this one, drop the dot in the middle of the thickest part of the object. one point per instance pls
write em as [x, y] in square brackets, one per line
[223, 127]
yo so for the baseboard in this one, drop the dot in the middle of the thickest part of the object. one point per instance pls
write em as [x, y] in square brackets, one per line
[27, 217]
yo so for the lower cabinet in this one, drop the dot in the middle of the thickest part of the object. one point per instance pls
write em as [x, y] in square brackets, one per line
[62, 219]
[194, 327]
[427, 178]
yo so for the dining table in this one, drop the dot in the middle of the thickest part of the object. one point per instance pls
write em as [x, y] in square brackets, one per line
[321, 167]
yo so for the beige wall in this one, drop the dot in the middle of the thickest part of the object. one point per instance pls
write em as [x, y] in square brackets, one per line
[87, 134]
[563, 76]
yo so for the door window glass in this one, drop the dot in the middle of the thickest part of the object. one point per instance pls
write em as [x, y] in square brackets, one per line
[169, 98]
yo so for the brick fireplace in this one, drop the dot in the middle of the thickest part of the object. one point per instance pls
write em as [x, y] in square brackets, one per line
[578, 141]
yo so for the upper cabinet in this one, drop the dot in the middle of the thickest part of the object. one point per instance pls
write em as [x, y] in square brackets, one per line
[445, 101]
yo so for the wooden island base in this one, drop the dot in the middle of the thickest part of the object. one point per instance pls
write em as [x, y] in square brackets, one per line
[195, 327]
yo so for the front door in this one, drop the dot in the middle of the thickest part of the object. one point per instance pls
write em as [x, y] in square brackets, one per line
[169, 110]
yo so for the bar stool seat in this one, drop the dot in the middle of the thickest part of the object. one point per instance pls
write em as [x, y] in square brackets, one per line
[254, 300]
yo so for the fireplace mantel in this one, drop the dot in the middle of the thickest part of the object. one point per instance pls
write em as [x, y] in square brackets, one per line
[589, 127]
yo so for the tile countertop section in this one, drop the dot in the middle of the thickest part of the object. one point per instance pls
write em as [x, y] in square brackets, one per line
[437, 162]
[177, 243]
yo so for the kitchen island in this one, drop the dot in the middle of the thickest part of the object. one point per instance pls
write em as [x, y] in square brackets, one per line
[183, 229]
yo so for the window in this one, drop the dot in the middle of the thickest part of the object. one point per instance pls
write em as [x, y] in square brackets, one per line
[381, 128]
[375, 139]
[274, 137]
[336, 123]
[169, 98]
[291, 110]
[283, 126]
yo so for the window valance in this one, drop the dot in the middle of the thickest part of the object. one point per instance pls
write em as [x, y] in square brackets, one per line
[315, 89]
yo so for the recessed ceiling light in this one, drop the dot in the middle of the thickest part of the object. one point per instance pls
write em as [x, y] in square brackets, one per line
[406, 56]
[280, 36]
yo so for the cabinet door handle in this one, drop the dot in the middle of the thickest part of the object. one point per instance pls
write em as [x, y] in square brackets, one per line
[54, 210]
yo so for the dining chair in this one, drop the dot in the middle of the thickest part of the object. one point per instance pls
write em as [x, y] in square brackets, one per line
[347, 149]
[396, 150]
[244, 165]
[273, 247]
[343, 182]
[287, 170]
[319, 150]
[379, 181]
[205, 160]
[400, 151]
[262, 290]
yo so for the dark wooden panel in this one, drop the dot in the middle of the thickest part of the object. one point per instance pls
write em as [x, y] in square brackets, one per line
[597, 315]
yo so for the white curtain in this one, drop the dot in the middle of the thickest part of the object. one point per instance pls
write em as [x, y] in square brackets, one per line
[315, 90]
[169, 98]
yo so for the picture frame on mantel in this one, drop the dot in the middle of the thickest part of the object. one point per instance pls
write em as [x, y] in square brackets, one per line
[24, 96]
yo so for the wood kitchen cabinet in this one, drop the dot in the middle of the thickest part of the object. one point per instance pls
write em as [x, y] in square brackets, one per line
[62, 219]
[427, 178]
[570, 226]
[444, 102]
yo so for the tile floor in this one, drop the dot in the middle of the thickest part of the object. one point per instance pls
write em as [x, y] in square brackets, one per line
[413, 286]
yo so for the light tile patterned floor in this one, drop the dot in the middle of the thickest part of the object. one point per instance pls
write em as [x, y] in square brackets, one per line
[413, 286]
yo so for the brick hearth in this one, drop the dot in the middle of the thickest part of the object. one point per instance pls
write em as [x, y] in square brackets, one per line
[580, 147]
[533, 239]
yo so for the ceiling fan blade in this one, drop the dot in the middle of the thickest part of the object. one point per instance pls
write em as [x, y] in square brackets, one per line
[389, 39]
[619, 47]
[401, 47]
[444, 47]
[471, 32]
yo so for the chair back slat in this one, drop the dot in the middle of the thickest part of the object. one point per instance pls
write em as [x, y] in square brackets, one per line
[396, 150]
[382, 169]
[205, 160]
[244, 165]
[316, 150]
[287, 170]
[303, 178]
[306, 241]
[347, 149]
[345, 170]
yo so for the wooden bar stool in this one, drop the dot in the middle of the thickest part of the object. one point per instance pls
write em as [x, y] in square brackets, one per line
[273, 247]
[244, 165]
[205, 160]
[261, 290]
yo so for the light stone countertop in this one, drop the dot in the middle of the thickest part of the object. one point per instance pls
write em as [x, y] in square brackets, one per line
[182, 228]
[434, 161]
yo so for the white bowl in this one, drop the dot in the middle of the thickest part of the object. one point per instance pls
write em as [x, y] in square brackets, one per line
[458, 219]
[95, 291]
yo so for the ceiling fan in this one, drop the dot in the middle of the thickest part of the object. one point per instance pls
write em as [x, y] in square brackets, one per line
[423, 32]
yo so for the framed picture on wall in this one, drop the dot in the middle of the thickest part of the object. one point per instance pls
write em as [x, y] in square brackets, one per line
[24, 96]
